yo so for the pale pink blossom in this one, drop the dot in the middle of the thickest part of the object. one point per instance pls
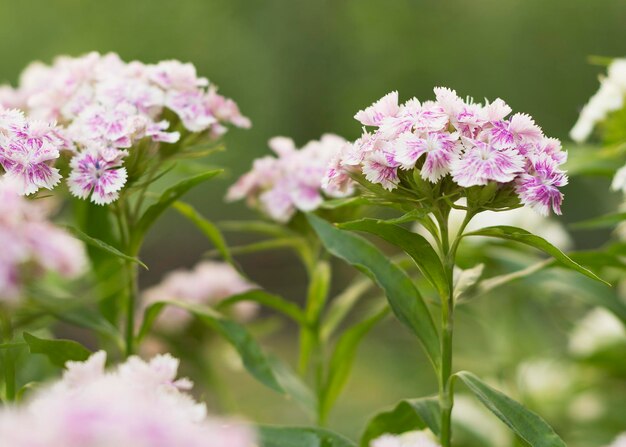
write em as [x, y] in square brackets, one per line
[474, 144]
[483, 162]
[137, 404]
[100, 100]
[31, 245]
[292, 181]
[539, 187]
[98, 173]
[207, 284]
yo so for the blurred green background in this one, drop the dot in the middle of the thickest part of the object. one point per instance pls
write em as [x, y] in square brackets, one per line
[304, 67]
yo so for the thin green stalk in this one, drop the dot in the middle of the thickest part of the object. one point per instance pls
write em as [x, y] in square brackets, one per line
[9, 358]
[446, 395]
[131, 302]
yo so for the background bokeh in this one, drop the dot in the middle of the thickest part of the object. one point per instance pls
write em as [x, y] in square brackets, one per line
[302, 68]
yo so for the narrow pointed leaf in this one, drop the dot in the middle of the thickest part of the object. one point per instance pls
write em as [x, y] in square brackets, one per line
[413, 244]
[58, 351]
[343, 356]
[404, 298]
[276, 436]
[97, 243]
[341, 305]
[208, 228]
[407, 415]
[523, 422]
[167, 198]
[295, 387]
[606, 221]
[524, 237]
[250, 352]
[269, 300]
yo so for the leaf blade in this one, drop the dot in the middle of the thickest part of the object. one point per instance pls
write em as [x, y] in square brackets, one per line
[523, 422]
[58, 351]
[404, 298]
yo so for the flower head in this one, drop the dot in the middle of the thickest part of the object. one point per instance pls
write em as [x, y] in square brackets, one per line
[458, 142]
[102, 101]
[207, 284]
[31, 245]
[139, 404]
[292, 181]
[98, 172]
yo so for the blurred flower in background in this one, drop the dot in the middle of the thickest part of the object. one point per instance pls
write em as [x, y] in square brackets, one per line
[410, 439]
[280, 186]
[31, 245]
[138, 404]
[207, 284]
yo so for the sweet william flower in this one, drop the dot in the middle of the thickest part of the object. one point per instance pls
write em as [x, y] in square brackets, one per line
[279, 186]
[206, 284]
[456, 144]
[137, 404]
[97, 173]
[31, 245]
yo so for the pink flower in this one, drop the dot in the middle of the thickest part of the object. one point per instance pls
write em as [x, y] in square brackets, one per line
[476, 143]
[97, 172]
[482, 162]
[293, 181]
[138, 404]
[539, 187]
[385, 107]
[31, 245]
[28, 150]
[207, 284]
[440, 150]
[379, 168]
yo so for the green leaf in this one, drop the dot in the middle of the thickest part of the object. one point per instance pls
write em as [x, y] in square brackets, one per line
[606, 221]
[256, 226]
[341, 305]
[523, 422]
[413, 244]
[168, 197]
[250, 352]
[97, 243]
[294, 386]
[466, 280]
[342, 359]
[524, 237]
[404, 298]
[274, 436]
[317, 295]
[58, 351]
[208, 228]
[407, 415]
[12, 345]
[269, 300]
[334, 204]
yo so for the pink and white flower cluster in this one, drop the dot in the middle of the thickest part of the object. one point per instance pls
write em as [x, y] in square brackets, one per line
[139, 404]
[474, 144]
[31, 245]
[28, 151]
[107, 106]
[279, 186]
[207, 284]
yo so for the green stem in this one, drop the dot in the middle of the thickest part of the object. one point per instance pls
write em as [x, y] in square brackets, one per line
[9, 359]
[446, 395]
[131, 302]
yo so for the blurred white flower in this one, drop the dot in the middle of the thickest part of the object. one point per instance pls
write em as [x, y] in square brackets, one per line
[586, 407]
[609, 98]
[544, 379]
[138, 404]
[620, 441]
[597, 330]
[423, 438]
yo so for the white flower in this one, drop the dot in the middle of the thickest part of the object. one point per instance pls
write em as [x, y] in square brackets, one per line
[422, 438]
[597, 330]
